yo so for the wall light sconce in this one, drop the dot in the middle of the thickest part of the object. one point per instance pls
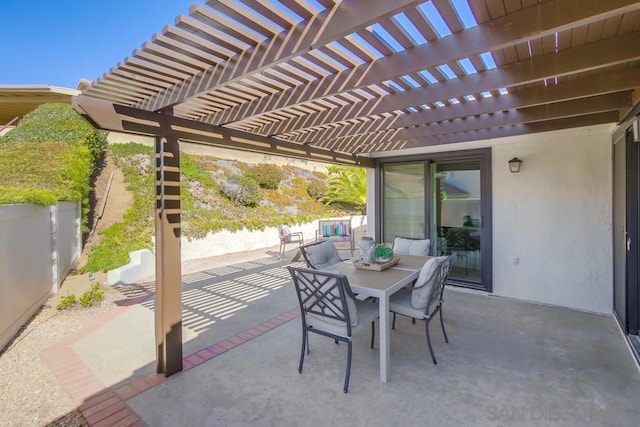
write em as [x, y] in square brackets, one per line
[514, 165]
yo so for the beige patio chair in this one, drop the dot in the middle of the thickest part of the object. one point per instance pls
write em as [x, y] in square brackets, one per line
[424, 300]
[328, 308]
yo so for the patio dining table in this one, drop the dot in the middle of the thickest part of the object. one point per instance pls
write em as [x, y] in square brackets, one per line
[381, 285]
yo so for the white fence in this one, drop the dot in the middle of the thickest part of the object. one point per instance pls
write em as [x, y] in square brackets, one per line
[38, 246]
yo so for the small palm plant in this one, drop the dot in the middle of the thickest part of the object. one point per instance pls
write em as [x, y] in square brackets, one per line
[347, 184]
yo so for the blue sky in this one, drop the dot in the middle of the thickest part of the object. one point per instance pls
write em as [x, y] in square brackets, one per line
[58, 42]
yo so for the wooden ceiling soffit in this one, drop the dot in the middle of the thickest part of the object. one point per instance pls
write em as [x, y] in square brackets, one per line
[502, 32]
[610, 82]
[329, 25]
[113, 117]
[582, 58]
[521, 129]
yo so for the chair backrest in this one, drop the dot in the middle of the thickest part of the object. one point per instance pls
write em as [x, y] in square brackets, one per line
[430, 283]
[458, 238]
[412, 246]
[284, 232]
[326, 301]
[319, 255]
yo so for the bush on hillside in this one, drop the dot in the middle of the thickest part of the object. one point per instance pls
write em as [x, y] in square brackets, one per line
[50, 156]
[45, 173]
[317, 189]
[266, 175]
[59, 123]
[242, 190]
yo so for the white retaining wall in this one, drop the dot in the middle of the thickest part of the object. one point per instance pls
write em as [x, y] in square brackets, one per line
[225, 242]
[142, 264]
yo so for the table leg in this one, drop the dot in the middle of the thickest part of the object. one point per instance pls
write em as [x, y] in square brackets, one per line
[385, 344]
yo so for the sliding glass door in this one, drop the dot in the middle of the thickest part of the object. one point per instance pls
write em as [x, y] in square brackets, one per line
[447, 198]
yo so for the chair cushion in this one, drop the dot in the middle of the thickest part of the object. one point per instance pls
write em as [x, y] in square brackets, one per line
[323, 255]
[285, 233]
[334, 326]
[360, 314]
[407, 246]
[400, 303]
[421, 294]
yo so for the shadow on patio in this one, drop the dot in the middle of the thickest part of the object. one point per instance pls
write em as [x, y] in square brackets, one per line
[508, 363]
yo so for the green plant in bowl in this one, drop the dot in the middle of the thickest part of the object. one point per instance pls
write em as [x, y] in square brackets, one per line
[382, 252]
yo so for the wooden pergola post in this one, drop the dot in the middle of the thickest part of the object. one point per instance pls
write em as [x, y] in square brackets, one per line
[168, 300]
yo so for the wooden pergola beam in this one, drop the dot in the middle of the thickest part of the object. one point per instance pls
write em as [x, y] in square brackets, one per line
[583, 58]
[327, 26]
[578, 88]
[540, 113]
[121, 118]
[504, 31]
[521, 129]
[572, 108]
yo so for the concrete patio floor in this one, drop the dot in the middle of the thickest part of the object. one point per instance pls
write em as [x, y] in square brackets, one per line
[507, 363]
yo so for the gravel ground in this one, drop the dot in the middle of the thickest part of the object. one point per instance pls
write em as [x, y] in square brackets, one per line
[29, 393]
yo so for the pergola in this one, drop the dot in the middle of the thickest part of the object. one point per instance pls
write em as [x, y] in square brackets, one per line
[349, 81]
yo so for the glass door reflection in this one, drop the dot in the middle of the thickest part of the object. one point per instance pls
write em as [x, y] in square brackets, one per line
[456, 215]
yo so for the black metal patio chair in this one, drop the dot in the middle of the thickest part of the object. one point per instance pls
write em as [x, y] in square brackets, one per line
[328, 308]
[424, 300]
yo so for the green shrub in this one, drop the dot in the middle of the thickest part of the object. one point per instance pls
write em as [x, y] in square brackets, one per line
[50, 157]
[317, 189]
[93, 296]
[66, 302]
[87, 299]
[242, 190]
[266, 175]
[44, 173]
[60, 123]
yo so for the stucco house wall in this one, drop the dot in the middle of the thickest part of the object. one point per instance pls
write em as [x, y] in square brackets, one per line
[552, 221]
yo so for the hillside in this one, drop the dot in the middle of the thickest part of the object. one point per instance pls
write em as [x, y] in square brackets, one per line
[205, 208]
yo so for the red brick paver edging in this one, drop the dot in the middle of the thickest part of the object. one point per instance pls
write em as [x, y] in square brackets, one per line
[102, 406]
